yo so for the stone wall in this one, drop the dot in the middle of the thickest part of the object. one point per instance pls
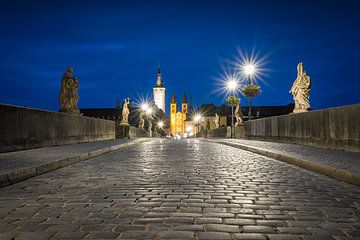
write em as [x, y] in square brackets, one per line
[336, 128]
[26, 128]
[221, 132]
[127, 131]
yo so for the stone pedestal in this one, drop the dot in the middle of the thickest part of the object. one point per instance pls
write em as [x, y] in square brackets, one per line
[127, 131]
[122, 131]
[239, 132]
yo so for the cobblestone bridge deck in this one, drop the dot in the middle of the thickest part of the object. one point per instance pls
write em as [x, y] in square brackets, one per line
[188, 189]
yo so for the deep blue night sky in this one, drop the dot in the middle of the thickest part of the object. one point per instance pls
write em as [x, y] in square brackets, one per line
[115, 48]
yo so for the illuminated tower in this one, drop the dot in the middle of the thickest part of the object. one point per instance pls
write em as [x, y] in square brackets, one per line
[159, 92]
[184, 111]
[173, 110]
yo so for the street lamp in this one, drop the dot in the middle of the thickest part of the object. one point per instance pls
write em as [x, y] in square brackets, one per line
[232, 86]
[144, 106]
[197, 119]
[249, 70]
[160, 124]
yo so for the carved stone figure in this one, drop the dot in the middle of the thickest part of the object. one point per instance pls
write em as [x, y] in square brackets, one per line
[68, 97]
[300, 90]
[141, 121]
[239, 115]
[207, 124]
[125, 113]
[217, 120]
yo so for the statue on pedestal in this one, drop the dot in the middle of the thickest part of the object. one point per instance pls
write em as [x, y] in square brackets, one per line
[217, 120]
[207, 124]
[69, 97]
[125, 112]
[239, 115]
[141, 121]
[300, 90]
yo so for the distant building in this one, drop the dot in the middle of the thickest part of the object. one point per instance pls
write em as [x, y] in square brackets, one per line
[208, 112]
[159, 92]
[177, 119]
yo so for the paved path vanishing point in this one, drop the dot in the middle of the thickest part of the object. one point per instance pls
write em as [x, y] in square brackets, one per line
[187, 189]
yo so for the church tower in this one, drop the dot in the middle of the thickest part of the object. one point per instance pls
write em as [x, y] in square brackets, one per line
[159, 92]
[173, 110]
[184, 110]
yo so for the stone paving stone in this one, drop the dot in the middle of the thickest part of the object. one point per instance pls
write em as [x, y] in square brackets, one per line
[250, 236]
[177, 235]
[207, 220]
[222, 228]
[283, 237]
[138, 234]
[102, 235]
[98, 227]
[213, 236]
[38, 235]
[189, 227]
[238, 221]
[204, 189]
[257, 229]
[71, 235]
[178, 220]
[293, 230]
[272, 223]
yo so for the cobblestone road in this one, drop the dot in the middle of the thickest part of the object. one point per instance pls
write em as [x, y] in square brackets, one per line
[189, 189]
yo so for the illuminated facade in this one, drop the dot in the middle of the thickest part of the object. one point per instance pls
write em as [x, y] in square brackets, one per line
[159, 92]
[177, 119]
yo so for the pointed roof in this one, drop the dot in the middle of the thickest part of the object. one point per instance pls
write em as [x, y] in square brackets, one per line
[159, 81]
[184, 98]
[173, 100]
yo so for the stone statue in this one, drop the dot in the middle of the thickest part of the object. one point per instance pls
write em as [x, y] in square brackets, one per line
[239, 115]
[125, 112]
[141, 121]
[300, 90]
[207, 124]
[217, 120]
[69, 97]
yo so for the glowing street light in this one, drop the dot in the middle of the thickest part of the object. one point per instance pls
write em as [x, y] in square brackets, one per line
[149, 111]
[160, 124]
[197, 118]
[249, 69]
[232, 85]
[144, 107]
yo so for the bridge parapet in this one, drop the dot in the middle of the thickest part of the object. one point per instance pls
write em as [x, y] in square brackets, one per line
[335, 128]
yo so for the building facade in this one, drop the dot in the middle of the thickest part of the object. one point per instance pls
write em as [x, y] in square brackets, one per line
[177, 118]
[159, 92]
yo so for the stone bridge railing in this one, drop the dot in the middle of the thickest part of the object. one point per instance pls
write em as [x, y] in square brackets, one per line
[25, 128]
[336, 128]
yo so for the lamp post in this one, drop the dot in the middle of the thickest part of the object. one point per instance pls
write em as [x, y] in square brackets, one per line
[249, 70]
[197, 119]
[232, 85]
